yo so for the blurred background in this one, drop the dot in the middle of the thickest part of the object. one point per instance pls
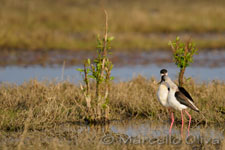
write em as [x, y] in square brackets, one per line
[49, 39]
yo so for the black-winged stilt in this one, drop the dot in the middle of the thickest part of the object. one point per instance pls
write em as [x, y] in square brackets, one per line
[162, 94]
[163, 90]
[179, 99]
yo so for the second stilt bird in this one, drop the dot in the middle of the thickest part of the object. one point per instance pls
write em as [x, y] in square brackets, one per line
[178, 99]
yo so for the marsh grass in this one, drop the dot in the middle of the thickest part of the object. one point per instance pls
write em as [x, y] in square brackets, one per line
[73, 24]
[55, 103]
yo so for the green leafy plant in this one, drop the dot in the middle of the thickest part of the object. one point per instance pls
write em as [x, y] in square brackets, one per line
[183, 55]
[99, 71]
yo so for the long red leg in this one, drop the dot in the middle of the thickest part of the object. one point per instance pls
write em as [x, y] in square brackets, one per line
[182, 125]
[189, 121]
[172, 118]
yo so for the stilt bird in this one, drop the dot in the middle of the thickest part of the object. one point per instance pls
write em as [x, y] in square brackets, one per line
[162, 94]
[179, 99]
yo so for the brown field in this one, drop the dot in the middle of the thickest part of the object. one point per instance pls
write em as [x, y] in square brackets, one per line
[53, 103]
[139, 25]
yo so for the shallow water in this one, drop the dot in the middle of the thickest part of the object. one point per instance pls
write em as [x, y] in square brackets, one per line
[18, 75]
[148, 129]
[208, 66]
[135, 131]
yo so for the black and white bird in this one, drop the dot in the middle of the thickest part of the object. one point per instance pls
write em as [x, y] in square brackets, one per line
[162, 94]
[179, 99]
[163, 90]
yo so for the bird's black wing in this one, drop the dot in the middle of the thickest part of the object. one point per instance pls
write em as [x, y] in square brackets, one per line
[183, 91]
[181, 98]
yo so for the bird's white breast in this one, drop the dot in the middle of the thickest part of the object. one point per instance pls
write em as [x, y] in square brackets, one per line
[162, 94]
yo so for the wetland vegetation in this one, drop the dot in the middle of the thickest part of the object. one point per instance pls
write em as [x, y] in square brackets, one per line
[51, 104]
[93, 115]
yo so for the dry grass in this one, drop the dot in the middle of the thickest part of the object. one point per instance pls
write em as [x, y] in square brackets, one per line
[69, 24]
[56, 103]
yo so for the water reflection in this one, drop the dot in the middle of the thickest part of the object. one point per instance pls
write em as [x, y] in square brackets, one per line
[129, 132]
[146, 128]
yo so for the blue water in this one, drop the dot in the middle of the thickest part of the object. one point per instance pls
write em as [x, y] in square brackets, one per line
[13, 74]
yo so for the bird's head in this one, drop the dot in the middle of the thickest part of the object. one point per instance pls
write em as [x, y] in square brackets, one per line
[163, 72]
